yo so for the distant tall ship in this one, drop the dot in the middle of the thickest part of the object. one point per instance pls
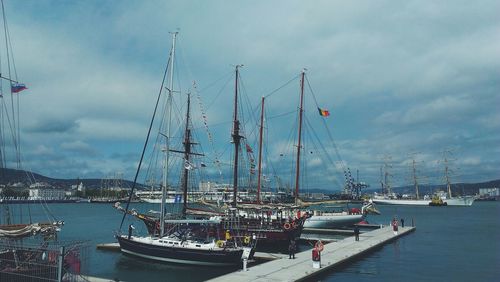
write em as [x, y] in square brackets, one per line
[440, 198]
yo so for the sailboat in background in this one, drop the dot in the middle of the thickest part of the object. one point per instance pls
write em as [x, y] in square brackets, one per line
[390, 198]
[440, 198]
[180, 240]
[449, 199]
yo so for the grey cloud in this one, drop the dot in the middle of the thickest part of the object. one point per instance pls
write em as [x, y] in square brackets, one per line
[52, 125]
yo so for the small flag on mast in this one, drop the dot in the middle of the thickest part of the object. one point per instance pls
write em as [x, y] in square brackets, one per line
[323, 112]
[249, 149]
[18, 87]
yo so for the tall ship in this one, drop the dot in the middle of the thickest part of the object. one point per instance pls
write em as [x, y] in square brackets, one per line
[178, 238]
[439, 198]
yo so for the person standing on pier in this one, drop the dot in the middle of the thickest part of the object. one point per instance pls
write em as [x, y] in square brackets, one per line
[356, 232]
[402, 222]
[130, 229]
[291, 249]
[395, 226]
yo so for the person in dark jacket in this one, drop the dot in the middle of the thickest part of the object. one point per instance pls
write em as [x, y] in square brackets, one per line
[356, 232]
[291, 249]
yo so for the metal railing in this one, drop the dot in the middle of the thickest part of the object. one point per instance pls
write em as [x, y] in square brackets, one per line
[57, 261]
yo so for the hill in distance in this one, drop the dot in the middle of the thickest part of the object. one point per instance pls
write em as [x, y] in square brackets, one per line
[11, 176]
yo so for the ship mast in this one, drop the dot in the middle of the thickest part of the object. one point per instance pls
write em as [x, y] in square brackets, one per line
[167, 142]
[415, 182]
[447, 177]
[382, 181]
[236, 136]
[259, 184]
[187, 164]
[387, 175]
[301, 110]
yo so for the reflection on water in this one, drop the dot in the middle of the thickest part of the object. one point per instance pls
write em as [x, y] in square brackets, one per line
[129, 268]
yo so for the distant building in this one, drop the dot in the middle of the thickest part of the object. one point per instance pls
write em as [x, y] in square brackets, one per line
[46, 194]
[214, 186]
[313, 196]
[40, 185]
[118, 189]
[489, 192]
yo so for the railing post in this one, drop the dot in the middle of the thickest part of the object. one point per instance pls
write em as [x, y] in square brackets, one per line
[60, 264]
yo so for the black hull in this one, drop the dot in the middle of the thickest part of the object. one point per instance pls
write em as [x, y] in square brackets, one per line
[272, 233]
[180, 255]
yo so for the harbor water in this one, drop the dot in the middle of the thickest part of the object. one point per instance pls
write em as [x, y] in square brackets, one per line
[450, 244]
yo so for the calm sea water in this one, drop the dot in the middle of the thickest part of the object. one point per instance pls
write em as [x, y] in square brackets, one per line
[450, 244]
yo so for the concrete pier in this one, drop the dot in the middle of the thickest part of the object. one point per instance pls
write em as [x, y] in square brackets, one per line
[109, 247]
[301, 267]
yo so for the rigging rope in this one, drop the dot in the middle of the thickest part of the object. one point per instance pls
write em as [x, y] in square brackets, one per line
[146, 142]
[327, 129]
[207, 130]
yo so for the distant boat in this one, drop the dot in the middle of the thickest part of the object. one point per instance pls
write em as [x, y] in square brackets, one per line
[454, 201]
[440, 198]
[339, 219]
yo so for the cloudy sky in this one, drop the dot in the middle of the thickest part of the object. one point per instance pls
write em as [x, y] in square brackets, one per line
[399, 77]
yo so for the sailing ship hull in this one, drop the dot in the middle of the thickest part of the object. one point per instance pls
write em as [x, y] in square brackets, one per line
[333, 221]
[458, 201]
[267, 233]
[158, 201]
[402, 202]
[179, 255]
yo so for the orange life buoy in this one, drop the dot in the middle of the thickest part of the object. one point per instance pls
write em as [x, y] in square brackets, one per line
[319, 246]
[286, 226]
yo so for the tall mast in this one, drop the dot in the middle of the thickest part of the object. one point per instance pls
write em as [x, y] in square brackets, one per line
[187, 152]
[260, 150]
[387, 175]
[382, 180]
[167, 142]
[236, 136]
[415, 182]
[447, 177]
[301, 110]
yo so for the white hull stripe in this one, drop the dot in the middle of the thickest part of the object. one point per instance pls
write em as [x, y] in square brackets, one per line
[173, 260]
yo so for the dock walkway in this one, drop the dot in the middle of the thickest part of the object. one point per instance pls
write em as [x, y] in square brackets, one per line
[300, 268]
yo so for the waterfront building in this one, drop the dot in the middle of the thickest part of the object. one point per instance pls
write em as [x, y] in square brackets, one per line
[46, 194]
